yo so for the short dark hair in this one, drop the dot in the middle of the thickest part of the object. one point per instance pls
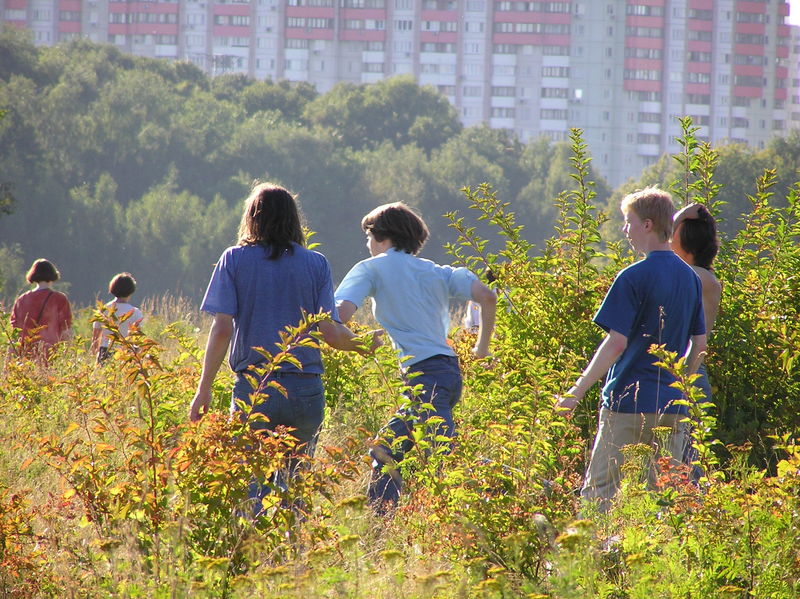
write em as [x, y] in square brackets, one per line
[271, 218]
[42, 271]
[122, 285]
[698, 237]
[399, 223]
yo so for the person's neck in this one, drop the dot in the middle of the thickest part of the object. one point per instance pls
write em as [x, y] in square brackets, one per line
[123, 300]
[656, 245]
[43, 285]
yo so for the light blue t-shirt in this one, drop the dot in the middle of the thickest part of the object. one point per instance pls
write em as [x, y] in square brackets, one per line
[411, 299]
[264, 296]
[656, 300]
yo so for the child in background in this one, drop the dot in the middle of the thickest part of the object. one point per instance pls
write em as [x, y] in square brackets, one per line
[121, 287]
[411, 299]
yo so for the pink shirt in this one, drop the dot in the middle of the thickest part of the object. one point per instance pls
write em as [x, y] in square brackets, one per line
[49, 328]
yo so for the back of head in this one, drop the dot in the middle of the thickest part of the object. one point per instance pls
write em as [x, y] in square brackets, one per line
[398, 222]
[122, 285]
[698, 236]
[653, 204]
[271, 218]
[42, 271]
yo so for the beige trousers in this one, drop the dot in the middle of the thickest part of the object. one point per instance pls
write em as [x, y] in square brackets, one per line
[616, 430]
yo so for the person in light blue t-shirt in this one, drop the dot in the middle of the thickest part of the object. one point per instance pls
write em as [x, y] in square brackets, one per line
[657, 300]
[259, 287]
[411, 299]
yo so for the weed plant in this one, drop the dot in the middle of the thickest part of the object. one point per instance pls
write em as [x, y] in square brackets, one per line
[106, 490]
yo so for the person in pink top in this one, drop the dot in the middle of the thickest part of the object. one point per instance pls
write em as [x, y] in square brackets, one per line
[43, 315]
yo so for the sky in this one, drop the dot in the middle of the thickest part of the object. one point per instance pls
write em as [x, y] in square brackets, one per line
[794, 12]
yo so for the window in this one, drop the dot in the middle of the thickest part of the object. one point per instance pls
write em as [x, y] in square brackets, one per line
[643, 32]
[502, 112]
[504, 91]
[555, 71]
[553, 114]
[652, 53]
[644, 10]
[649, 117]
[698, 78]
[555, 92]
[542, 28]
[750, 38]
[437, 47]
[700, 14]
[749, 80]
[642, 75]
[698, 99]
[699, 57]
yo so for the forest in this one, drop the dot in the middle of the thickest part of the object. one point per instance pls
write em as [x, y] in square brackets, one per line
[106, 490]
[121, 163]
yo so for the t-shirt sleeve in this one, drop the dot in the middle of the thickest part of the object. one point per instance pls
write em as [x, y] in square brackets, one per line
[619, 308]
[325, 291]
[460, 283]
[356, 285]
[221, 296]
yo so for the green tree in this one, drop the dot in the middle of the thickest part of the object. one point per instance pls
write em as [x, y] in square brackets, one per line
[394, 109]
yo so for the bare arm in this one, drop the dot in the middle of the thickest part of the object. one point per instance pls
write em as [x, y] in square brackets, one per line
[339, 336]
[219, 337]
[96, 334]
[487, 300]
[609, 350]
[346, 310]
[696, 352]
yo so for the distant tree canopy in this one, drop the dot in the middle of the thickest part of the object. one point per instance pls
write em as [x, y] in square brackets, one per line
[120, 163]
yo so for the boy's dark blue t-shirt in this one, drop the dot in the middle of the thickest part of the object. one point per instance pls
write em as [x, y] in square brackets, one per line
[656, 300]
[264, 296]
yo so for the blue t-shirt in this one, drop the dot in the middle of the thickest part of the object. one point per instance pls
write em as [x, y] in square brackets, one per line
[264, 296]
[656, 300]
[411, 299]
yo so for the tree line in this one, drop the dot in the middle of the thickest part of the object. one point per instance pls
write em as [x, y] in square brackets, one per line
[111, 162]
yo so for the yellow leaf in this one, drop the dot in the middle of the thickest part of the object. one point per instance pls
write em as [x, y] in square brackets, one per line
[69, 494]
[73, 426]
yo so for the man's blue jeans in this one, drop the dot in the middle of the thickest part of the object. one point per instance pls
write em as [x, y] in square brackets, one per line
[440, 377]
[302, 409]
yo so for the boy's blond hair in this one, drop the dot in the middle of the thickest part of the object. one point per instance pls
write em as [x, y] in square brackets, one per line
[654, 204]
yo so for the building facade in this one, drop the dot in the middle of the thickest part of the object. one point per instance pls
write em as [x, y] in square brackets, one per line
[621, 70]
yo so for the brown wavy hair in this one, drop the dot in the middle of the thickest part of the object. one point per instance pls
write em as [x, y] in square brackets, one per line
[272, 219]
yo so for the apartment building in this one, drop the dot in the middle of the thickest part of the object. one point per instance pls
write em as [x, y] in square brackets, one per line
[621, 70]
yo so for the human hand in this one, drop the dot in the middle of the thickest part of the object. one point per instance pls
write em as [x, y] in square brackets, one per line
[690, 212]
[481, 352]
[377, 339]
[566, 403]
[199, 406]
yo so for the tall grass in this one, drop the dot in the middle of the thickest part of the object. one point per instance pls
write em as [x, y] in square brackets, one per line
[107, 491]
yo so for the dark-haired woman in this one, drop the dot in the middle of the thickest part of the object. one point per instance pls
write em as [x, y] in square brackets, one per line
[43, 315]
[258, 288]
[694, 239]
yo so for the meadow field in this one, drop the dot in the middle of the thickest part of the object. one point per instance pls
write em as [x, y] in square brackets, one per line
[106, 489]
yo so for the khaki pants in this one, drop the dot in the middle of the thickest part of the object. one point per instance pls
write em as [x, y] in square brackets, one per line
[617, 429]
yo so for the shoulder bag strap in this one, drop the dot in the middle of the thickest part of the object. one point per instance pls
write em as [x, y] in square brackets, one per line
[47, 299]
